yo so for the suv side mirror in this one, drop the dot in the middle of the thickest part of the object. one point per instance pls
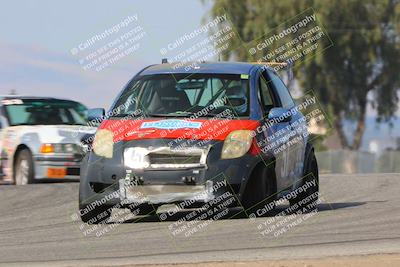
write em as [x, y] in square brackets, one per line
[279, 115]
[96, 115]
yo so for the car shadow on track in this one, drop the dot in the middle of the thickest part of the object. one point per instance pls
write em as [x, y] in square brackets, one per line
[238, 213]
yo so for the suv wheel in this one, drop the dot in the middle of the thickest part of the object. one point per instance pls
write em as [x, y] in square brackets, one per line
[23, 168]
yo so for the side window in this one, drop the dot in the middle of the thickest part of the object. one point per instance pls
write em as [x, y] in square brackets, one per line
[265, 91]
[283, 92]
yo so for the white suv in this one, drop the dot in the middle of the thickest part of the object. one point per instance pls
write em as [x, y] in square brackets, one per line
[40, 139]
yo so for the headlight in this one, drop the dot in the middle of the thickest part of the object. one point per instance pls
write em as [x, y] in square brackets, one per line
[236, 144]
[103, 143]
[60, 148]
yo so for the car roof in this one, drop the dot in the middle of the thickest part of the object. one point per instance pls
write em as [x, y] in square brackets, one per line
[22, 97]
[204, 67]
[32, 97]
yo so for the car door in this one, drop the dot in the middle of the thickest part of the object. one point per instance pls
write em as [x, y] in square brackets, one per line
[273, 132]
[296, 145]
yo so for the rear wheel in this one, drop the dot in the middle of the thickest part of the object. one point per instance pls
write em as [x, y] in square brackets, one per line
[23, 168]
[307, 200]
[259, 192]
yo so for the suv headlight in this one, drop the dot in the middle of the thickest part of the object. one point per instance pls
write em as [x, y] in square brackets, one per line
[103, 143]
[236, 144]
[60, 148]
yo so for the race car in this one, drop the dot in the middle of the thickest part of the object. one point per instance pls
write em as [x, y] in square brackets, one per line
[40, 139]
[188, 135]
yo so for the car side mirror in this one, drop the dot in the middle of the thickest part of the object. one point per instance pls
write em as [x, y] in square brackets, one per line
[96, 115]
[279, 115]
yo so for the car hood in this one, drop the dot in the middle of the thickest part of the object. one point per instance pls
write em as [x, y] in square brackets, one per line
[199, 129]
[53, 133]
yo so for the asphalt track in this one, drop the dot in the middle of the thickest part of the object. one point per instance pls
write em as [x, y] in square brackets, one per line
[360, 214]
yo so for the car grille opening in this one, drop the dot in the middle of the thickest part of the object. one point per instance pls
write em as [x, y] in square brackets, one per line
[173, 159]
[159, 158]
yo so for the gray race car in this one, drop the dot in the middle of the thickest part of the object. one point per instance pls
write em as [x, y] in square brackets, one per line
[224, 134]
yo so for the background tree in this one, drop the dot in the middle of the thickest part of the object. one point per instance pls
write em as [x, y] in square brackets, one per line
[363, 61]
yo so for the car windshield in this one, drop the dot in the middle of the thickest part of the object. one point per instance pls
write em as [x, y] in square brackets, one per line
[44, 112]
[184, 95]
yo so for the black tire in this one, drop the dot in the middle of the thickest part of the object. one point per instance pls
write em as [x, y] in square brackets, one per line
[260, 191]
[307, 200]
[95, 215]
[24, 172]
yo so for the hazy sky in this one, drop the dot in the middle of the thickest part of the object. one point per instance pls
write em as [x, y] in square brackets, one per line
[36, 38]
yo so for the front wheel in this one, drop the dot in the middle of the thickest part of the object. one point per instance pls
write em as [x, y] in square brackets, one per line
[23, 168]
[259, 195]
[307, 199]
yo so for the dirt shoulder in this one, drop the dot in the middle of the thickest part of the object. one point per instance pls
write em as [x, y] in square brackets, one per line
[383, 260]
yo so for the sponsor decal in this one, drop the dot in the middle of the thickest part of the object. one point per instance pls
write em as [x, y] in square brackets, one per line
[171, 124]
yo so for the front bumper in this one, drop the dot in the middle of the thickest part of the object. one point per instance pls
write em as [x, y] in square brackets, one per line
[101, 177]
[158, 194]
[57, 167]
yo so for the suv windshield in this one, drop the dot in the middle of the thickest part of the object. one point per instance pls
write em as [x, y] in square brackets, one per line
[185, 95]
[44, 112]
